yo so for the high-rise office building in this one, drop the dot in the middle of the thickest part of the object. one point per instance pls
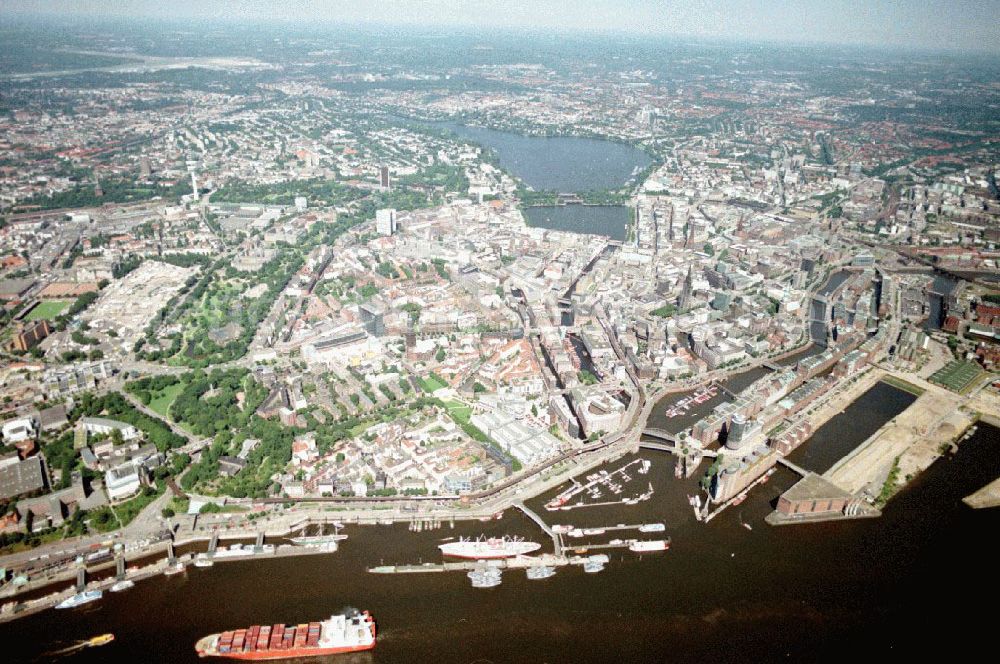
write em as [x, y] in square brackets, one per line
[383, 177]
[385, 221]
[373, 318]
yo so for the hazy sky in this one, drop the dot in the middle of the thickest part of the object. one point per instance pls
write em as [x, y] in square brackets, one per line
[960, 24]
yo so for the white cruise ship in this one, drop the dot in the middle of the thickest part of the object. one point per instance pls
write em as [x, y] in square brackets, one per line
[483, 549]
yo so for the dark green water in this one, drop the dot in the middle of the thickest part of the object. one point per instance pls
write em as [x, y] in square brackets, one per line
[610, 220]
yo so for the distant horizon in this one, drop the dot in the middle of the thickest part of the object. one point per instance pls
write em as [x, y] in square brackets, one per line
[875, 26]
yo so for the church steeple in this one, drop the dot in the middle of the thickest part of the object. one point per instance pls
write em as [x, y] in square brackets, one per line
[686, 292]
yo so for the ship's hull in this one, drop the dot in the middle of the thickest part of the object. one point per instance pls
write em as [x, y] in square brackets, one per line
[482, 556]
[80, 599]
[471, 553]
[338, 635]
[290, 653]
[311, 540]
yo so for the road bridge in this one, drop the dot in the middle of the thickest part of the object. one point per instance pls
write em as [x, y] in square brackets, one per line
[722, 386]
[660, 434]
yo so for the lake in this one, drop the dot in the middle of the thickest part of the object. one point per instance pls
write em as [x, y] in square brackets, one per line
[610, 220]
[563, 164]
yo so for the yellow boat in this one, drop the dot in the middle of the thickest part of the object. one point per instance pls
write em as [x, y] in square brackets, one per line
[100, 640]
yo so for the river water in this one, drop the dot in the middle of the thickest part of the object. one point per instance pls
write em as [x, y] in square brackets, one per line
[722, 592]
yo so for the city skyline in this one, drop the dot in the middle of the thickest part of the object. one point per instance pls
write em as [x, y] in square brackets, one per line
[970, 26]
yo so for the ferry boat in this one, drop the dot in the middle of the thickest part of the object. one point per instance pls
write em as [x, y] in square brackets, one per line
[80, 599]
[203, 561]
[593, 531]
[124, 584]
[645, 546]
[484, 549]
[339, 634]
[652, 528]
[485, 578]
[543, 572]
[595, 563]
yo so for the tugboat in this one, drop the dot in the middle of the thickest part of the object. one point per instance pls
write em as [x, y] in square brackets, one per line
[100, 640]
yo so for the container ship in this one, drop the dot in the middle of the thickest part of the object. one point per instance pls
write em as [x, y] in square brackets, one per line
[483, 549]
[338, 634]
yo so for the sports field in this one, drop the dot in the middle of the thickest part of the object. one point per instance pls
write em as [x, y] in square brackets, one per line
[48, 309]
[957, 375]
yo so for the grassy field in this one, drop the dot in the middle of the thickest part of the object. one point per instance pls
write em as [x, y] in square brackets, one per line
[432, 383]
[957, 375]
[48, 309]
[459, 411]
[904, 385]
[161, 404]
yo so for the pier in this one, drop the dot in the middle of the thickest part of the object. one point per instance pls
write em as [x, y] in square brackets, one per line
[557, 545]
[622, 526]
[518, 562]
[791, 466]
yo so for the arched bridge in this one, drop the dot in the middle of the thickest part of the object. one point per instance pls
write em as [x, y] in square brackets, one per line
[660, 434]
